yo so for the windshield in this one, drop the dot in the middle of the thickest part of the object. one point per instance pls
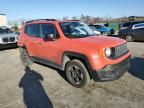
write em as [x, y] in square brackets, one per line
[76, 29]
[92, 27]
[5, 30]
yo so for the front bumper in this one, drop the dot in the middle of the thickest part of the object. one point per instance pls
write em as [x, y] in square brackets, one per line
[112, 72]
[8, 45]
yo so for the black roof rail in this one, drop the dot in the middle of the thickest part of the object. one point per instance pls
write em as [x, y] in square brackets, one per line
[74, 20]
[41, 20]
[69, 20]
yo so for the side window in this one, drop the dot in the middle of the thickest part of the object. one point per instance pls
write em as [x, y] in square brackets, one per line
[48, 29]
[33, 30]
[138, 26]
[126, 24]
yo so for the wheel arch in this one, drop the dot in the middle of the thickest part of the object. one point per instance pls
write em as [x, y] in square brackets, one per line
[130, 35]
[24, 47]
[67, 56]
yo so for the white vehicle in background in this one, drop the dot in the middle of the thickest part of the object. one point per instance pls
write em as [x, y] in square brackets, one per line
[7, 38]
[95, 31]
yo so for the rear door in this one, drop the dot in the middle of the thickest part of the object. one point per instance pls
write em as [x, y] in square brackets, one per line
[33, 39]
[138, 31]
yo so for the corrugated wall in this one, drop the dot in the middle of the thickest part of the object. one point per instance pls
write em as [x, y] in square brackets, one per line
[3, 20]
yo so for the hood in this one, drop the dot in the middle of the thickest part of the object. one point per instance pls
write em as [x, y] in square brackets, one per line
[99, 41]
[8, 35]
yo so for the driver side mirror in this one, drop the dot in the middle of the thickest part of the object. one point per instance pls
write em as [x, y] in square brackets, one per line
[49, 37]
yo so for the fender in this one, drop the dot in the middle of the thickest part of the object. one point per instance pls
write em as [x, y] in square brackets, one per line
[20, 44]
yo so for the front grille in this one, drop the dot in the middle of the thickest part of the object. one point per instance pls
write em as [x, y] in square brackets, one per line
[8, 39]
[119, 51]
[12, 39]
[5, 39]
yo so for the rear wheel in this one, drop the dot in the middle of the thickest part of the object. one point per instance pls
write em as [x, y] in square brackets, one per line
[112, 31]
[77, 74]
[129, 38]
[24, 57]
[102, 33]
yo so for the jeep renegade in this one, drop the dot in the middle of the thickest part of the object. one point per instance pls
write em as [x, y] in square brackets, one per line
[74, 48]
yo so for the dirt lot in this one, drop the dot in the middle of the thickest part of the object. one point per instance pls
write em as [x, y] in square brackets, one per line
[42, 87]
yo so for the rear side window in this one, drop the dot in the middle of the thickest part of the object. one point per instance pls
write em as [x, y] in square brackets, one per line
[128, 24]
[33, 30]
[141, 25]
[48, 29]
[137, 23]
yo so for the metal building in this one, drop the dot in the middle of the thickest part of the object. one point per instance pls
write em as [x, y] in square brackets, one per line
[3, 20]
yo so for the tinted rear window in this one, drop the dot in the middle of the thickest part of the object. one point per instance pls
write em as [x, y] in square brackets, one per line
[128, 24]
[33, 30]
[141, 25]
[136, 23]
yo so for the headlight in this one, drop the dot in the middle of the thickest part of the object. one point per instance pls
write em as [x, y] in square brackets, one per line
[17, 37]
[0, 40]
[108, 52]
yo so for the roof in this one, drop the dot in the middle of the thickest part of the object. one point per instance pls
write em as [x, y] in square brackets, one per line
[69, 21]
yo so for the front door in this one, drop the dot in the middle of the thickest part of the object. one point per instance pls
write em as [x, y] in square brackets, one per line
[51, 49]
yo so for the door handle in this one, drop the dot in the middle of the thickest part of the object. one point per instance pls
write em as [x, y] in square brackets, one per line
[40, 43]
[25, 41]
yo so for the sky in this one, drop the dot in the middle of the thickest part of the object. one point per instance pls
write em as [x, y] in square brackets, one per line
[34, 9]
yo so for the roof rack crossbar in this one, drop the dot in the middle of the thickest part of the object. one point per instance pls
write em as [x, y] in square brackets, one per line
[40, 20]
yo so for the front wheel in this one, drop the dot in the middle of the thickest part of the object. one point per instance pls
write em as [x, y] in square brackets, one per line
[24, 57]
[77, 74]
[129, 38]
[112, 31]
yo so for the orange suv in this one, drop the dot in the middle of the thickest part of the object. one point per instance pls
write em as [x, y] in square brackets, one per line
[74, 48]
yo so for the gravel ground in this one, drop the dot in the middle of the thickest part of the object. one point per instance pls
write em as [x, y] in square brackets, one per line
[43, 87]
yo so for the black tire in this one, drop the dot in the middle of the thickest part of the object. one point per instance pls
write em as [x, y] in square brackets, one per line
[77, 74]
[129, 38]
[24, 57]
[102, 33]
[112, 31]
